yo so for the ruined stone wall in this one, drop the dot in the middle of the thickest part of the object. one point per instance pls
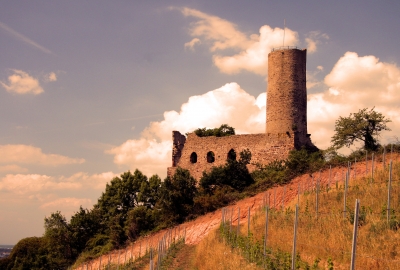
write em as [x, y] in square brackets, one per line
[178, 142]
[287, 93]
[264, 149]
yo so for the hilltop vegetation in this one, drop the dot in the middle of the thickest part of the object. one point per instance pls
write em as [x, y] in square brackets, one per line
[222, 131]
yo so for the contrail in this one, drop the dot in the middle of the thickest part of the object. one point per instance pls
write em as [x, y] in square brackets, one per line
[24, 38]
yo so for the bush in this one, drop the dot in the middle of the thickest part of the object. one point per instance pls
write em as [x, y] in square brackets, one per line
[304, 161]
[234, 174]
[223, 130]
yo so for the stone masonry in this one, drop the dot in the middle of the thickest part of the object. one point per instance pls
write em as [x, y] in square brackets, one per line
[286, 127]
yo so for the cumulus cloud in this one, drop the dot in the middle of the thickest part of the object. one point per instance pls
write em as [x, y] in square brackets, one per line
[190, 45]
[313, 39]
[252, 49]
[221, 33]
[31, 183]
[228, 104]
[255, 57]
[12, 168]
[69, 204]
[51, 77]
[27, 154]
[22, 83]
[355, 82]
[94, 181]
[36, 184]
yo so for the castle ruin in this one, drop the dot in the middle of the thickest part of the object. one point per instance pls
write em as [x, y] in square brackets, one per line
[286, 126]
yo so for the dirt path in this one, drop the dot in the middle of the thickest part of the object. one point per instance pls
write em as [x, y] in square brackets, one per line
[276, 197]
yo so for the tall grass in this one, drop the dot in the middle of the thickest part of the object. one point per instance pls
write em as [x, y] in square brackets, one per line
[328, 235]
[212, 253]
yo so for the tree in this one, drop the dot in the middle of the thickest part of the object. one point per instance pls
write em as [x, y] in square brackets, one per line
[234, 173]
[177, 196]
[59, 237]
[365, 125]
[223, 130]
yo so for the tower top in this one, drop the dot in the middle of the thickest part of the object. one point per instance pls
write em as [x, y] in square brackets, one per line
[285, 48]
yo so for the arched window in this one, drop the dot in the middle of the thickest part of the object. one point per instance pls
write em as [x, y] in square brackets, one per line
[210, 157]
[231, 155]
[193, 157]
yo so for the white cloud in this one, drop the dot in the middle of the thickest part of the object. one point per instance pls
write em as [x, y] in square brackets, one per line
[31, 183]
[255, 57]
[51, 77]
[94, 181]
[252, 49]
[226, 105]
[20, 153]
[12, 168]
[22, 83]
[68, 205]
[354, 83]
[313, 39]
[190, 45]
[39, 185]
[221, 33]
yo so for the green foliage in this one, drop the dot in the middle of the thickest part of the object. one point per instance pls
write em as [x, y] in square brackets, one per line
[59, 237]
[362, 215]
[234, 174]
[273, 173]
[177, 196]
[253, 251]
[330, 264]
[140, 220]
[365, 126]
[303, 161]
[121, 194]
[83, 225]
[32, 253]
[223, 130]
[394, 222]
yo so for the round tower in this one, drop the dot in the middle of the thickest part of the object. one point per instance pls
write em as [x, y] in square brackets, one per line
[287, 93]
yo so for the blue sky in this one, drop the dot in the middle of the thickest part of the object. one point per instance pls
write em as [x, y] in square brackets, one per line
[91, 89]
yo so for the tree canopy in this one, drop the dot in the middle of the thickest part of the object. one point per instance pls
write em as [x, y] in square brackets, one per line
[223, 130]
[365, 126]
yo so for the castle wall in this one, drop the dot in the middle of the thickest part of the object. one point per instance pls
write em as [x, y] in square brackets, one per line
[263, 147]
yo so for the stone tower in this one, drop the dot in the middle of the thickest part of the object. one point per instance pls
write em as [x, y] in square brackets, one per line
[287, 94]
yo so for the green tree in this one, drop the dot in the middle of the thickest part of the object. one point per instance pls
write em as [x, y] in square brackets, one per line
[84, 225]
[223, 130]
[140, 220]
[177, 196]
[29, 253]
[121, 195]
[365, 126]
[149, 191]
[234, 173]
[59, 237]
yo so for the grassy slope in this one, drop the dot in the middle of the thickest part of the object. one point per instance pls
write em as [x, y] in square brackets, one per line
[327, 235]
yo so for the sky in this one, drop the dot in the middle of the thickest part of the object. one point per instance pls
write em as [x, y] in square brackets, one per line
[91, 89]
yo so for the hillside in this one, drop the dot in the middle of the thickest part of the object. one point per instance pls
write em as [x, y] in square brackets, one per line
[286, 196]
